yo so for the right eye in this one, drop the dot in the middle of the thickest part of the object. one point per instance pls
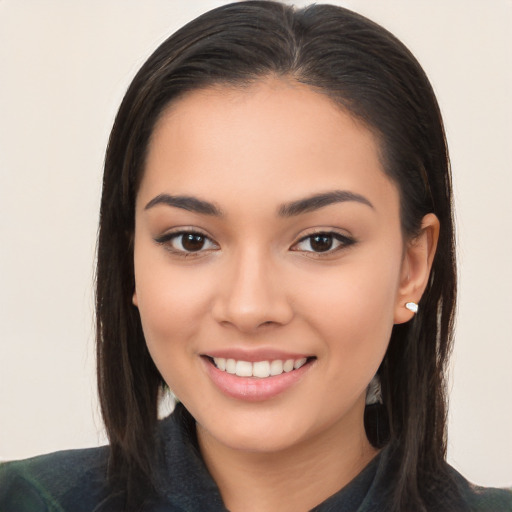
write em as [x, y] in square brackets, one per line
[187, 242]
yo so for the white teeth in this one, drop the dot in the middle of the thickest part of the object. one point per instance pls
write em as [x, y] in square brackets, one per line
[231, 366]
[276, 367]
[220, 363]
[299, 362]
[243, 369]
[288, 365]
[260, 369]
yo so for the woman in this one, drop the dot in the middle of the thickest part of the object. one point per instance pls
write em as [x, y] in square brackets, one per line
[276, 247]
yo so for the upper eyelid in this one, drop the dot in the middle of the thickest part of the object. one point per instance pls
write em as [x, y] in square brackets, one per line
[182, 231]
[169, 235]
[346, 241]
[167, 239]
[328, 231]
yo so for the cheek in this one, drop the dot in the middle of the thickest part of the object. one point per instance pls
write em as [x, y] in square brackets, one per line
[353, 307]
[171, 301]
[171, 305]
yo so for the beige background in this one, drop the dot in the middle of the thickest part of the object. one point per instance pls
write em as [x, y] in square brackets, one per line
[64, 66]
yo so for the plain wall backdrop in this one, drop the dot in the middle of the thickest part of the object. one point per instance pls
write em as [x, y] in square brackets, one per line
[64, 67]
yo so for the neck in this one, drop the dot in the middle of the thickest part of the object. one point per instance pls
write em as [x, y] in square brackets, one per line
[293, 479]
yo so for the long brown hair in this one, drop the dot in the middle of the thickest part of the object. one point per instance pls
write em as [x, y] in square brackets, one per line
[366, 71]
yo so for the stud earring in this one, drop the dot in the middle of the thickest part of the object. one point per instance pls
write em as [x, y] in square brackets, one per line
[412, 306]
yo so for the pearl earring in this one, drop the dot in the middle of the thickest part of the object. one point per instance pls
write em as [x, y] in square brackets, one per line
[412, 306]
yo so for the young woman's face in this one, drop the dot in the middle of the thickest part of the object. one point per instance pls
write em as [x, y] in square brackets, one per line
[267, 237]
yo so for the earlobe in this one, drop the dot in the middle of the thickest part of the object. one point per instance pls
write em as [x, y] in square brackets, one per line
[134, 299]
[416, 267]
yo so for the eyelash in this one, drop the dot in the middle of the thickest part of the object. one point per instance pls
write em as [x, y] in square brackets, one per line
[168, 239]
[344, 242]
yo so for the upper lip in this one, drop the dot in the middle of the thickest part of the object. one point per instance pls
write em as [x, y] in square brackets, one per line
[254, 355]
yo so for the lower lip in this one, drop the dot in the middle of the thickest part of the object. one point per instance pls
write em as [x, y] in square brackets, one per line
[254, 389]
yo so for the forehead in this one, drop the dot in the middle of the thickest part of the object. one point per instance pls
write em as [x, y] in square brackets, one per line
[275, 137]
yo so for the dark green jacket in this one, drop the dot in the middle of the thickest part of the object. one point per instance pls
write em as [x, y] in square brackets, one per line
[75, 481]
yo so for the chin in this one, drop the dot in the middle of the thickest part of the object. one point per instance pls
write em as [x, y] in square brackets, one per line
[257, 440]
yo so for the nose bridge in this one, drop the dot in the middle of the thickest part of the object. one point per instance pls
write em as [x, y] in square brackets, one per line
[251, 293]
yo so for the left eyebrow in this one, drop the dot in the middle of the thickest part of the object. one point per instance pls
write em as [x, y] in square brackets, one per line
[317, 201]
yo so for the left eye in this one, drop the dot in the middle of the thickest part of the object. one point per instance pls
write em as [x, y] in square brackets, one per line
[322, 242]
[187, 242]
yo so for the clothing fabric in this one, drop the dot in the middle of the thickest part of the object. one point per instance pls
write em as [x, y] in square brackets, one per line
[75, 481]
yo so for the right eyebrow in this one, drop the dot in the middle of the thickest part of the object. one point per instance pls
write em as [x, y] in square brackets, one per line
[189, 203]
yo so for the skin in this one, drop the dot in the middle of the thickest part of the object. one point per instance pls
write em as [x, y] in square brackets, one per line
[257, 283]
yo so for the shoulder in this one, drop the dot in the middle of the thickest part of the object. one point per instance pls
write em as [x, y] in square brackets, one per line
[483, 499]
[67, 480]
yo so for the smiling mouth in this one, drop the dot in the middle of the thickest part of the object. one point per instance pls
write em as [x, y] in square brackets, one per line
[258, 369]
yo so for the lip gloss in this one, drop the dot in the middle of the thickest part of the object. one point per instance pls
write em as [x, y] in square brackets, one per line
[254, 389]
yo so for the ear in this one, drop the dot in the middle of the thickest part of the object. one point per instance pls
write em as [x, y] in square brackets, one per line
[416, 265]
[135, 302]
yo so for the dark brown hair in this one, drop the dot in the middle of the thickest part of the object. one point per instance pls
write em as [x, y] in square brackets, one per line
[369, 73]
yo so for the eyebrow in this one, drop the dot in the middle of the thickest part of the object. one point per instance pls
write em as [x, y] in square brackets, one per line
[318, 201]
[192, 204]
[308, 204]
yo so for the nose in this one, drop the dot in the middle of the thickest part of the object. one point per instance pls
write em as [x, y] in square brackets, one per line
[251, 294]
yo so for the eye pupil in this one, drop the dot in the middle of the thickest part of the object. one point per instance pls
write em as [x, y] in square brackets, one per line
[321, 243]
[192, 242]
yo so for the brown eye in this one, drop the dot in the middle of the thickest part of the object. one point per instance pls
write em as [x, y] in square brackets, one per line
[186, 242]
[193, 242]
[321, 243]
